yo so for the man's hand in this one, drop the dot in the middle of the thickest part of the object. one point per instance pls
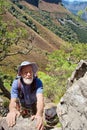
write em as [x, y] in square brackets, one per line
[39, 122]
[11, 118]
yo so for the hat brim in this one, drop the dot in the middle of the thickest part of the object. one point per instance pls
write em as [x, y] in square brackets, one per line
[33, 64]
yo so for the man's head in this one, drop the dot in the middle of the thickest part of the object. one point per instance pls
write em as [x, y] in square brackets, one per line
[27, 71]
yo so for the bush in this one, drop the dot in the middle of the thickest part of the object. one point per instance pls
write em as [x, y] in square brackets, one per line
[61, 64]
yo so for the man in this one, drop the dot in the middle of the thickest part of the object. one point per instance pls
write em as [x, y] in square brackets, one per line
[26, 95]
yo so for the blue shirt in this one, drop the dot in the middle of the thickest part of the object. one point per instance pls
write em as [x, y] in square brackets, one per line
[29, 97]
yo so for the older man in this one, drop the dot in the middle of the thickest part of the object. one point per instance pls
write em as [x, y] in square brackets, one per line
[26, 95]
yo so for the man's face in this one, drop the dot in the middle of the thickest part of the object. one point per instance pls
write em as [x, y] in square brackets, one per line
[27, 74]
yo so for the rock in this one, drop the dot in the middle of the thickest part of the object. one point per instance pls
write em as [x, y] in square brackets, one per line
[50, 114]
[79, 72]
[21, 124]
[72, 109]
[55, 128]
[1, 100]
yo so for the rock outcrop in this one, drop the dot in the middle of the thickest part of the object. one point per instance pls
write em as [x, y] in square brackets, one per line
[72, 109]
[50, 118]
[22, 124]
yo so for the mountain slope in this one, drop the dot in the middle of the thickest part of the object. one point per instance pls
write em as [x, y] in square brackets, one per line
[60, 21]
[46, 24]
[44, 42]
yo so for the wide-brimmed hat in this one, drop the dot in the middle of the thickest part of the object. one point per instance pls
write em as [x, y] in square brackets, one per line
[25, 63]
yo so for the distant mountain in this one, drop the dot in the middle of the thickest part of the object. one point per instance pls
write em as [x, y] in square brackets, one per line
[76, 6]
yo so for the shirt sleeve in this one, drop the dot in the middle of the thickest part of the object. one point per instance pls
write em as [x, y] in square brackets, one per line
[14, 89]
[39, 85]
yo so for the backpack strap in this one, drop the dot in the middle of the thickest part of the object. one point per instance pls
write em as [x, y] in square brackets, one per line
[20, 93]
[19, 85]
[33, 85]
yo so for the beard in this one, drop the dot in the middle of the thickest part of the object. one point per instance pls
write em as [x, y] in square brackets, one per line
[28, 81]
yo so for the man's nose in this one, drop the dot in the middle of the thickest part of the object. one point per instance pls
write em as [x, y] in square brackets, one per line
[28, 73]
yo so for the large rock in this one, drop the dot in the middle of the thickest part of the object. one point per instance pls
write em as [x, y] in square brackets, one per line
[22, 124]
[72, 109]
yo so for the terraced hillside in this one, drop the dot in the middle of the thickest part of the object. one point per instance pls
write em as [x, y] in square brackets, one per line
[48, 26]
[57, 19]
[42, 40]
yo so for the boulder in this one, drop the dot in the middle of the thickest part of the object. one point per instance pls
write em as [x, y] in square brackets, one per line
[21, 124]
[72, 109]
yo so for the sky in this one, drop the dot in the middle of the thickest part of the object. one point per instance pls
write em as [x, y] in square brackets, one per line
[75, 0]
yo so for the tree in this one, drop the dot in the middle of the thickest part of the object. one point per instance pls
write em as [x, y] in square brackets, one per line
[9, 36]
[7, 39]
[80, 13]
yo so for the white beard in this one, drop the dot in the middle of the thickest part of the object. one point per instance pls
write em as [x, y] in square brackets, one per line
[28, 81]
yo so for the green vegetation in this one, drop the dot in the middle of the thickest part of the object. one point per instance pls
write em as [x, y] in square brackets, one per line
[80, 13]
[8, 38]
[3, 6]
[61, 64]
[23, 18]
[81, 32]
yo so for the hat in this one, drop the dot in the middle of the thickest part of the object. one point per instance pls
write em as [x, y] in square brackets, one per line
[25, 63]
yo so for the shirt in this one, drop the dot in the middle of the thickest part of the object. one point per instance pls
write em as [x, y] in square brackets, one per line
[29, 97]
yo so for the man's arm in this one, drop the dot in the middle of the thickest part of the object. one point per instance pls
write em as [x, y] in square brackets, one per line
[39, 113]
[13, 112]
[12, 105]
[40, 104]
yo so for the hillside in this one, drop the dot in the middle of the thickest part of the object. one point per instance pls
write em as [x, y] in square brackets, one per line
[48, 26]
[59, 20]
[44, 42]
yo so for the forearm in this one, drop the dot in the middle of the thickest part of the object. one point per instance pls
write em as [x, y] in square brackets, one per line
[13, 113]
[12, 105]
[39, 113]
[40, 106]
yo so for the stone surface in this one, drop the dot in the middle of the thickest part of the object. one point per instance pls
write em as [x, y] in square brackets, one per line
[21, 124]
[72, 109]
[26, 123]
